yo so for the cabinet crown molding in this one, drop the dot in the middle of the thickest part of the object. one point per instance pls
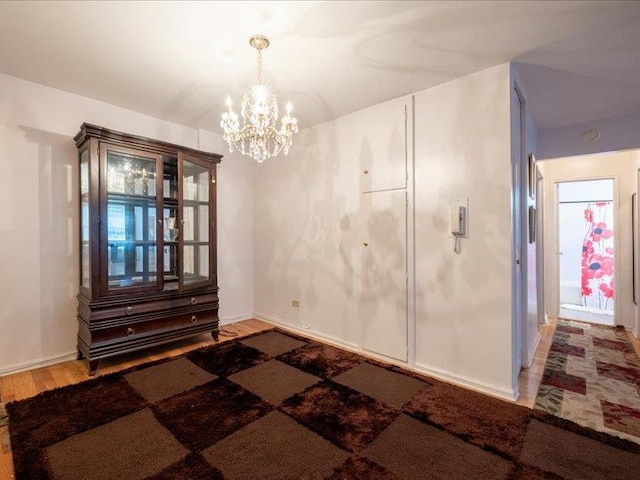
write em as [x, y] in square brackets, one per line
[88, 130]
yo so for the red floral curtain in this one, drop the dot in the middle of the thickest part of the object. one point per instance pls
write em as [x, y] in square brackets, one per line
[597, 256]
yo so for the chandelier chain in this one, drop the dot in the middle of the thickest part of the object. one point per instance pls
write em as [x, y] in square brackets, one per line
[259, 66]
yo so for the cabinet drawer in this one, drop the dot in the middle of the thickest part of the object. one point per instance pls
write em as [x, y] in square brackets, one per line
[134, 330]
[126, 309]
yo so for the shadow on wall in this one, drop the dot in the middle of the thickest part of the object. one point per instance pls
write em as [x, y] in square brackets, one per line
[462, 152]
[306, 223]
[58, 213]
[312, 220]
[315, 248]
[384, 266]
[470, 169]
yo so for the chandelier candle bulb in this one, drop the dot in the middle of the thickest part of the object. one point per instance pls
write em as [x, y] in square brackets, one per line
[259, 137]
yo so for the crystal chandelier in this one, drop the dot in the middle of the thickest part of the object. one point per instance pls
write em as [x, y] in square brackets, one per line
[258, 136]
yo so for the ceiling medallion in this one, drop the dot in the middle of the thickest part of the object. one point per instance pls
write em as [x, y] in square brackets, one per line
[258, 138]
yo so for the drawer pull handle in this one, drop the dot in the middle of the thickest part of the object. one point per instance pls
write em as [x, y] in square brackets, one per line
[129, 310]
[366, 171]
[130, 331]
[194, 300]
[194, 319]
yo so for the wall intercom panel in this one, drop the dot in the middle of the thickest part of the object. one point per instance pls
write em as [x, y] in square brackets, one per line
[458, 220]
[459, 217]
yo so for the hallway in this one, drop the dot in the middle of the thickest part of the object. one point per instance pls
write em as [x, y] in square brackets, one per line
[588, 374]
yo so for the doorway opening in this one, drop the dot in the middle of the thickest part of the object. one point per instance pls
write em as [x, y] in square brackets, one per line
[586, 250]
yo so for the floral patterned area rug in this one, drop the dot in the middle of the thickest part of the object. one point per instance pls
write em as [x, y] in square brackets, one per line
[592, 377]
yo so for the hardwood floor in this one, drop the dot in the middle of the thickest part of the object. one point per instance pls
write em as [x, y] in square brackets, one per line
[29, 383]
[530, 378]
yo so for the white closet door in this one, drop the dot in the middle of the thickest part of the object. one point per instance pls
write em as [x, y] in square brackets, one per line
[382, 309]
[383, 150]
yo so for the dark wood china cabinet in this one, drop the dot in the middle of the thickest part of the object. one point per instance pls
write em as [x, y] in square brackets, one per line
[147, 243]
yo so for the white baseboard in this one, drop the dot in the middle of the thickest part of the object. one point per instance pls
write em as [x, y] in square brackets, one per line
[470, 383]
[482, 387]
[239, 318]
[478, 386]
[309, 332]
[44, 362]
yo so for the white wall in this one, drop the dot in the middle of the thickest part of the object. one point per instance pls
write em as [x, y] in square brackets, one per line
[235, 229]
[463, 302]
[297, 217]
[622, 167]
[308, 231]
[618, 133]
[39, 219]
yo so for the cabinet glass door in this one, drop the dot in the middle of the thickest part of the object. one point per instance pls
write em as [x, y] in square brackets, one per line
[85, 222]
[131, 219]
[196, 224]
[170, 222]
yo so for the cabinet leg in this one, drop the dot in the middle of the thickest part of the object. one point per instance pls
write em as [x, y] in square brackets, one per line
[93, 367]
[214, 334]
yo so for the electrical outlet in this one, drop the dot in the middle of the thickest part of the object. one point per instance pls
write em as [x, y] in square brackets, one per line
[295, 303]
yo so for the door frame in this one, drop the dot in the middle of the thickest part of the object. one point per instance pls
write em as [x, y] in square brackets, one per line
[519, 223]
[540, 251]
[635, 239]
[408, 113]
[555, 275]
[636, 253]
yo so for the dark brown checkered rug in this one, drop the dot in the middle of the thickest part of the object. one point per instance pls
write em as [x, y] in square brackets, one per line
[278, 406]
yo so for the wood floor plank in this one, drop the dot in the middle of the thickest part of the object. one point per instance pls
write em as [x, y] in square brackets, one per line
[241, 331]
[530, 378]
[59, 374]
[78, 371]
[257, 324]
[634, 341]
[24, 385]
[8, 390]
[42, 379]
[68, 373]
[6, 458]
[6, 466]
[4, 440]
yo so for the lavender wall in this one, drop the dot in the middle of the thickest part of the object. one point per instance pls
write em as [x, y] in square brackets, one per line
[618, 133]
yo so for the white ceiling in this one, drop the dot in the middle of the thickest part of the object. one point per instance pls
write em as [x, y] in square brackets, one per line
[179, 60]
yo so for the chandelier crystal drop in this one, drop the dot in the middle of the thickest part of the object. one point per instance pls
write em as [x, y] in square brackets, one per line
[258, 138]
